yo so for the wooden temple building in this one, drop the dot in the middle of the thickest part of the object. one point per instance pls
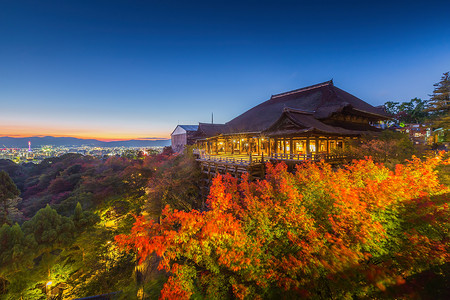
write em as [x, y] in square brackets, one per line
[303, 124]
[183, 135]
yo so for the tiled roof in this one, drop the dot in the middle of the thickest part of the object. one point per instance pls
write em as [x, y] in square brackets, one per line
[189, 127]
[305, 122]
[322, 100]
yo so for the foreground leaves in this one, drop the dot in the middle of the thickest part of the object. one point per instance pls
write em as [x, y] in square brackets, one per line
[320, 232]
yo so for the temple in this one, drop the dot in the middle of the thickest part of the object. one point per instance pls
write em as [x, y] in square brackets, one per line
[310, 123]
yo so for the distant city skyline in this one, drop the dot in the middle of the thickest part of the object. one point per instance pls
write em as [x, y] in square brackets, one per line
[120, 70]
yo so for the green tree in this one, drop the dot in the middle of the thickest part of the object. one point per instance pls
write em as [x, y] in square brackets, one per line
[439, 103]
[391, 107]
[83, 219]
[16, 254]
[50, 230]
[413, 111]
[8, 193]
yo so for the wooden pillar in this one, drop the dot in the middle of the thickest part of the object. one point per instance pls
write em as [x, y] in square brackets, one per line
[291, 144]
[259, 145]
[232, 147]
[308, 150]
[218, 146]
[317, 145]
[328, 145]
[275, 147]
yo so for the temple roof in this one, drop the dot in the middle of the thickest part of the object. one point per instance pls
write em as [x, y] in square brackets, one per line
[306, 107]
[294, 121]
[322, 100]
[209, 129]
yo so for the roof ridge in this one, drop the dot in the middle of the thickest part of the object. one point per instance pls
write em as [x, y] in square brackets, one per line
[299, 111]
[314, 86]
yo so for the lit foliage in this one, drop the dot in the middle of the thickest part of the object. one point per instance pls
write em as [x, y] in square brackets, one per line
[40, 250]
[175, 182]
[317, 233]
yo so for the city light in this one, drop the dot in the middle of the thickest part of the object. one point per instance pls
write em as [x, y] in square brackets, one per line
[38, 154]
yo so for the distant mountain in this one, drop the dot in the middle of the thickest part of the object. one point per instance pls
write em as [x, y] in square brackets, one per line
[10, 142]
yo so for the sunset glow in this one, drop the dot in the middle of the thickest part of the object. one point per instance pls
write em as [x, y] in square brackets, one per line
[82, 133]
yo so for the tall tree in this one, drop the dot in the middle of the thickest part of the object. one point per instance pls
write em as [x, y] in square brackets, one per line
[439, 103]
[8, 192]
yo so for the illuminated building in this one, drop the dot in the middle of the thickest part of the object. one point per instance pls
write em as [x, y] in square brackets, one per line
[306, 123]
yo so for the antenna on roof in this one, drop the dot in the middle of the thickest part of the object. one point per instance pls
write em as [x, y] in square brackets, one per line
[212, 118]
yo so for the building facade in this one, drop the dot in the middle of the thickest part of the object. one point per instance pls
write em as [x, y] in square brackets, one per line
[183, 135]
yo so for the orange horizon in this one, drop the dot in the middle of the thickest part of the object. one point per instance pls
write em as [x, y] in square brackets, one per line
[86, 137]
[101, 134]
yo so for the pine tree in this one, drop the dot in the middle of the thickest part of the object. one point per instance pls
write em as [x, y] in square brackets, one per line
[439, 103]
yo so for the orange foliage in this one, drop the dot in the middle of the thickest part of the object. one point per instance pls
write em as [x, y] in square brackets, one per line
[355, 230]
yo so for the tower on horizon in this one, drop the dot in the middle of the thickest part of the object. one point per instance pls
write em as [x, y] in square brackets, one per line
[29, 146]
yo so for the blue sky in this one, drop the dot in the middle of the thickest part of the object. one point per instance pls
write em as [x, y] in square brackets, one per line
[135, 69]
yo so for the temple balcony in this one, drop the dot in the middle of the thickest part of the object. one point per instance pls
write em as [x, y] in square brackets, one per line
[251, 159]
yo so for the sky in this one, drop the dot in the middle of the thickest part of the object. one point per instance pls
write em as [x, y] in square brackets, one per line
[135, 69]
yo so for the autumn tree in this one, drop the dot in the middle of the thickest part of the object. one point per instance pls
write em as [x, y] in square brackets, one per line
[318, 233]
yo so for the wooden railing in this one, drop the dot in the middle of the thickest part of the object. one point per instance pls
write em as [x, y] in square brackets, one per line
[234, 160]
[255, 159]
[311, 156]
[281, 156]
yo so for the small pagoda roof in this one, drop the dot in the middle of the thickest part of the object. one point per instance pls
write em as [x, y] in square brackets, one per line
[294, 121]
